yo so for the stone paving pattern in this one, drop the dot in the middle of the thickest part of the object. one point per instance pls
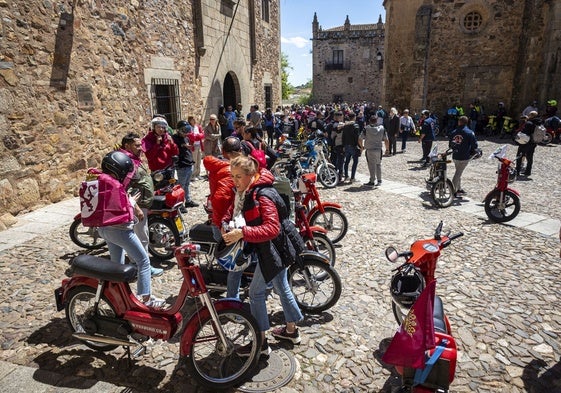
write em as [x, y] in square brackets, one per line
[500, 285]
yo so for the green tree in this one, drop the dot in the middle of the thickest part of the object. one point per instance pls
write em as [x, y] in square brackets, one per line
[286, 87]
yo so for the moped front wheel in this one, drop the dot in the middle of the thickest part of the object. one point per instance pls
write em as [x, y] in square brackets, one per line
[85, 237]
[163, 236]
[321, 243]
[80, 312]
[316, 286]
[333, 220]
[442, 193]
[220, 367]
[327, 176]
[502, 206]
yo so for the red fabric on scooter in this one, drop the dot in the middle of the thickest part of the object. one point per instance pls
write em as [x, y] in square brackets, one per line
[104, 201]
[416, 333]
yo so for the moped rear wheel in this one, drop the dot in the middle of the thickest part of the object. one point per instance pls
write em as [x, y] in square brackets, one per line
[327, 176]
[442, 193]
[217, 367]
[163, 237]
[333, 220]
[316, 286]
[502, 208]
[80, 308]
[85, 237]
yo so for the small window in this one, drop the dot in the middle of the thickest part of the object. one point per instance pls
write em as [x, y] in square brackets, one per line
[338, 56]
[268, 96]
[473, 21]
[265, 10]
[165, 99]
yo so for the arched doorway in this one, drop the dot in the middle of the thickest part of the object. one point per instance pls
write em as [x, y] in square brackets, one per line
[231, 93]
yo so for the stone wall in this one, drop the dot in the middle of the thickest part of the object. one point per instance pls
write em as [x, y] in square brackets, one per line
[433, 57]
[75, 77]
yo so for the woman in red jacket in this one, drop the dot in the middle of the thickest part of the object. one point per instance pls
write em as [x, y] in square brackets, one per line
[158, 146]
[261, 227]
[196, 136]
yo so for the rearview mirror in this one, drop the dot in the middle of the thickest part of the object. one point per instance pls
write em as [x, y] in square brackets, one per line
[392, 254]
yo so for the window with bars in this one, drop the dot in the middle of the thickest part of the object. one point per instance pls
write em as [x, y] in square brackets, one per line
[473, 21]
[268, 96]
[338, 56]
[265, 10]
[166, 100]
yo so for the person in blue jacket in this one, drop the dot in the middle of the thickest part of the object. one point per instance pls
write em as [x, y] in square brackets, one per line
[464, 143]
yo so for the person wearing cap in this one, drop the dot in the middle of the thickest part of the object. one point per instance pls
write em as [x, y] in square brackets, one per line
[158, 146]
[406, 127]
[212, 134]
[527, 150]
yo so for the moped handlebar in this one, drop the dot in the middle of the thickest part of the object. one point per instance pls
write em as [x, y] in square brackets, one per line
[447, 242]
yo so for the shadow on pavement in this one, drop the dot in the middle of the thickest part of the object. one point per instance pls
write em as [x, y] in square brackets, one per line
[537, 379]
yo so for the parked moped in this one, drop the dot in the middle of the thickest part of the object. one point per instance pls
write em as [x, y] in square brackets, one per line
[502, 204]
[103, 313]
[407, 283]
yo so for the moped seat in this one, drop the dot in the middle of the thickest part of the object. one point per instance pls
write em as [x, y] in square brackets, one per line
[103, 269]
[438, 316]
[204, 233]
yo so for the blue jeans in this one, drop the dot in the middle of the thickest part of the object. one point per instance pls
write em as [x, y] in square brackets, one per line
[119, 240]
[404, 135]
[258, 299]
[184, 180]
[233, 284]
[351, 151]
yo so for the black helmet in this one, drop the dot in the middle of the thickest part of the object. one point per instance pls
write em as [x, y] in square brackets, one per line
[406, 286]
[118, 164]
[181, 124]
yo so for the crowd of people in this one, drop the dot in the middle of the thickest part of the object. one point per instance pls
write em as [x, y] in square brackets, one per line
[236, 150]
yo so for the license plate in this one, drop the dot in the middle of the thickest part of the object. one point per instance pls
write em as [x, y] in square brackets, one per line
[179, 224]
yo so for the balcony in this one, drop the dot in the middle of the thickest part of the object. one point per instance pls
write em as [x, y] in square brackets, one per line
[331, 66]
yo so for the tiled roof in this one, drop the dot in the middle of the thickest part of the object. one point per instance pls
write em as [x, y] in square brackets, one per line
[370, 26]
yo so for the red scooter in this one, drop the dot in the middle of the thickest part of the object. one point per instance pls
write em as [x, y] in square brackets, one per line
[324, 214]
[103, 313]
[502, 204]
[409, 280]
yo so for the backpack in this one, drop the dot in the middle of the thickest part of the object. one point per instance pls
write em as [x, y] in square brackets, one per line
[104, 201]
[289, 243]
[539, 133]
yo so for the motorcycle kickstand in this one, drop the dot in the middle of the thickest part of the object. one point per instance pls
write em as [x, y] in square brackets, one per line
[140, 350]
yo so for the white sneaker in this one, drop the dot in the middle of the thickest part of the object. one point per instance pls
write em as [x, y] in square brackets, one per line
[154, 302]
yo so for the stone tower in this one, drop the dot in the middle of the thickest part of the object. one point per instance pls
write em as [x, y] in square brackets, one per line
[439, 52]
[347, 62]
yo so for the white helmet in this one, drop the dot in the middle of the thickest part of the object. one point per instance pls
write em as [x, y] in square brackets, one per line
[522, 138]
[232, 257]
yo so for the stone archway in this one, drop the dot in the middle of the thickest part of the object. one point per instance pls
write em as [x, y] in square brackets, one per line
[231, 90]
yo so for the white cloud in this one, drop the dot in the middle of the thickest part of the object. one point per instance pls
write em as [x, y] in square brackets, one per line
[299, 42]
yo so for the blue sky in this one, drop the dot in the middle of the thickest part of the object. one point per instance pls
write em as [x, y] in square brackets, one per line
[296, 27]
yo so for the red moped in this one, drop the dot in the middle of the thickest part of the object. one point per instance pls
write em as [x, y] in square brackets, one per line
[502, 204]
[407, 283]
[324, 214]
[103, 313]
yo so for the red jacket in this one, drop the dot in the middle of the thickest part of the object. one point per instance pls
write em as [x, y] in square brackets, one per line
[159, 154]
[262, 226]
[221, 187]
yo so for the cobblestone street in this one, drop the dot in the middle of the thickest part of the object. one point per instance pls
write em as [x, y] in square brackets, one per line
[500, 284]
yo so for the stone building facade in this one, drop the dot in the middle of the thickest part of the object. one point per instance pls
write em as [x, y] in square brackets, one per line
[439, 52]
[348, 62]
[76, 75]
